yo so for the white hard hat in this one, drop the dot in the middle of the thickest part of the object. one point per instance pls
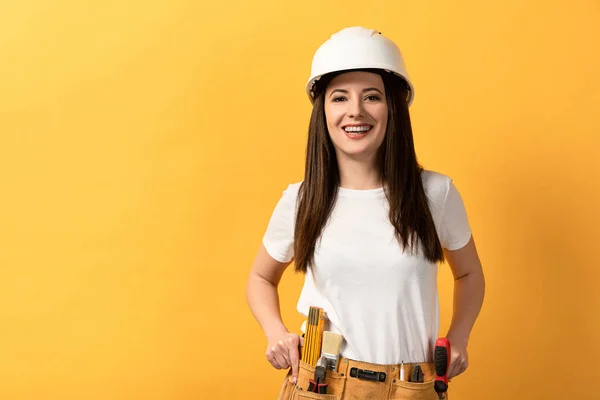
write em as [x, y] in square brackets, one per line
[357, 47]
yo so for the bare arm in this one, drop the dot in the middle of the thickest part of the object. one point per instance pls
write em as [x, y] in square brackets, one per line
[263, 299]
[469, 291]
[261, 292]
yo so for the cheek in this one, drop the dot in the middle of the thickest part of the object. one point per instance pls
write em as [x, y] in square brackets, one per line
[382, 116]
[333, 118]
[383, 122]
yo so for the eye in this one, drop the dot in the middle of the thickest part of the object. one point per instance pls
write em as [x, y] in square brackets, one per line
[373, 97]
[338, 99]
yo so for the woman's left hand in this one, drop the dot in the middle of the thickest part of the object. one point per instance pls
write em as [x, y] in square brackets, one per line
[459, 359]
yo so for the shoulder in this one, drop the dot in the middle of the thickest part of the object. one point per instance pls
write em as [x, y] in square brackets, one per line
[435, 182]
[290, 194]
[437, 187]
[293, 188]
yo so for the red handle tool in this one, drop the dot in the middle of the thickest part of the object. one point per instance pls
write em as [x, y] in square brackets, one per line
[318, 384]
[442, 364]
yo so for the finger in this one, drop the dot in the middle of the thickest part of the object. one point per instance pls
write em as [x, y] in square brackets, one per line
[463, 367]
[460, 367]
[458, 372]
[282, 350]
[279, 353]
[275, 359]
[294, 359]
[452, 371]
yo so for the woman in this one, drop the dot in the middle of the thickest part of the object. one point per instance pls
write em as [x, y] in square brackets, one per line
[368, 227]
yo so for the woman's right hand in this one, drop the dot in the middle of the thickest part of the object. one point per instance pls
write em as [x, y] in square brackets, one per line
[283, 351]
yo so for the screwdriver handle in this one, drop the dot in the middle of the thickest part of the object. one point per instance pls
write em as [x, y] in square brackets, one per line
[442, 364]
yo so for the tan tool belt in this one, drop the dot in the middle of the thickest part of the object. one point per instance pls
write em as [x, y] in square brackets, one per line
[356, 380]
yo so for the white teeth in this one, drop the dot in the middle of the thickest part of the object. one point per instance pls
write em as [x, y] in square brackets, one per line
[357, 128]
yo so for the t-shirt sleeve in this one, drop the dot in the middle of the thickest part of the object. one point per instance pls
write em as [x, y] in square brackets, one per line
[279, 236]
[456, 231]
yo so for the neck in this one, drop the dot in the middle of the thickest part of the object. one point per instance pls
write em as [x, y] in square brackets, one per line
[358, 175]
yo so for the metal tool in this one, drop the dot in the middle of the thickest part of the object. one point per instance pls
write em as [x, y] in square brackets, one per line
[442, 364]
[318, 385]
[417, 374]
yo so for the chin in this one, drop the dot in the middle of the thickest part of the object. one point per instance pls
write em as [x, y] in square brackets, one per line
[357, 152]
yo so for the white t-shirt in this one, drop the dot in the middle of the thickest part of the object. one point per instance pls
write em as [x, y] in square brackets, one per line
[382, 300]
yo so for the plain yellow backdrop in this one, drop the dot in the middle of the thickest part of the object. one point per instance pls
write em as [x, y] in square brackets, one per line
[144, 144]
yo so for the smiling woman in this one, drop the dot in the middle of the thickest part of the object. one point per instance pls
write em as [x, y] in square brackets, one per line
[367, 227]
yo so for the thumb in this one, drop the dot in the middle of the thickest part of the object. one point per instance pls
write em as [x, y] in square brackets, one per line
[452, 369]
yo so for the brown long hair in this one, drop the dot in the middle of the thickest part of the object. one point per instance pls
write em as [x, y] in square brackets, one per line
[409, 209]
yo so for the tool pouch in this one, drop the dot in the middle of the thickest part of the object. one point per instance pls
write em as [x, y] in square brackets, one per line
[356, 381]
[402, 390]
[289, 391]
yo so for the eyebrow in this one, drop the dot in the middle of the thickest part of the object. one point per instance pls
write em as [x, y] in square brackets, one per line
[364, 90]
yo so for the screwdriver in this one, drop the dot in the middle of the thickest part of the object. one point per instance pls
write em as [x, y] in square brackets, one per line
[442, 363]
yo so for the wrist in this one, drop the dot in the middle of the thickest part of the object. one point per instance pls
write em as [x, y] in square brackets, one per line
[275, 330]
[457, 338]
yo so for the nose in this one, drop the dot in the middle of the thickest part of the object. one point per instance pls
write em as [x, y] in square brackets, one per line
[355, 109]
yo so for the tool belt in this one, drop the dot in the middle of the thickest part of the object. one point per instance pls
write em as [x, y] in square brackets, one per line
[325, 374]
[357, 380]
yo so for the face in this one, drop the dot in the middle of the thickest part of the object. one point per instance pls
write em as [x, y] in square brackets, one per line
[356, 112]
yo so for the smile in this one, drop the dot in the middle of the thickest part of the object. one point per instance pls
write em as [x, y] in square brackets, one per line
[357, 131]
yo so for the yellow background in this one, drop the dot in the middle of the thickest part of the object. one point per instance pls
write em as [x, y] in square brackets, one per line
[144, 144]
